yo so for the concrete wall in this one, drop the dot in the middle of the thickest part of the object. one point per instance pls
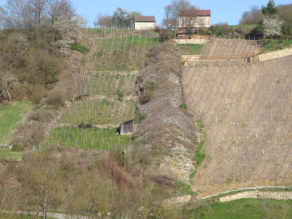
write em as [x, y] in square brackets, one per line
[201, 21]
[144, 25]
[257, 194]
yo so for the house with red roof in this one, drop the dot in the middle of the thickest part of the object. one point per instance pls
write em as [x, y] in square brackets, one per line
[194, 18]
[144, 22]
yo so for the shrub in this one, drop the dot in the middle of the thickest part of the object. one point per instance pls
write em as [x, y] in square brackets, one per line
[147, 96]
[17, 147]
[37, 93]
[143, 116]
[80, 48]
[165, 34]
[184, 106]
[56, 96]
[42, 115]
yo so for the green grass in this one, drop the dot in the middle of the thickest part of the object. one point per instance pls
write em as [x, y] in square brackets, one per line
[184, 189]
[192, 49]
[95, 138]
[19, 216]
[243, 208]
[6, 153]
[200, 153]
[184, 106]
[276, 45]
[11, 116]
[244, 25]
[80, 48]
[100, 112]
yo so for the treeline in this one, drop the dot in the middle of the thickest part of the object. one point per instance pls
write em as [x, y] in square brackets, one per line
[255, 16]
[35, 36]
[121, 18]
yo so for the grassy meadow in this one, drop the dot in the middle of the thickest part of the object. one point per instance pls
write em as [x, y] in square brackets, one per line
[11, 115]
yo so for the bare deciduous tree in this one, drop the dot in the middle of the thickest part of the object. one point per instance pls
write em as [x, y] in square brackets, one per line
[7, 79]
[253, 16]
[181, 13]
[15, 10]
[3, 17]
[41, 180]
[103, 20]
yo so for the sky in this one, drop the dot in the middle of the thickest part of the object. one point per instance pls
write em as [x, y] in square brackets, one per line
[221, 11]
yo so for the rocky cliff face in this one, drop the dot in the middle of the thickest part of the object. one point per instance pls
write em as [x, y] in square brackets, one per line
[168, 128]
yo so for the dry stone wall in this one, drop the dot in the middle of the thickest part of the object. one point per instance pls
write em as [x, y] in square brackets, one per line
[191, 41]
[257, 194]
[276, 54]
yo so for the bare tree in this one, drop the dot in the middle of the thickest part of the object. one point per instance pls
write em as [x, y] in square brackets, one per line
[168, 18]
[7, 79]
[15, 9]
[181, 13]
[57, 8]
[253, 16]
[180, 5]
[103, 20]
[3, 17]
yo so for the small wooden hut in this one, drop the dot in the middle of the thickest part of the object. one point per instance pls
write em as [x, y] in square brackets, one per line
[126, 128]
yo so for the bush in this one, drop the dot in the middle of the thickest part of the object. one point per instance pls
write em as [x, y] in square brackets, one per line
[184, 106]
[165, 34]
[220, 29]
[80, 48]
[143, 116]
[38, 93]
[42, 115]
[56, 96]
[17, 147]
[146, 97]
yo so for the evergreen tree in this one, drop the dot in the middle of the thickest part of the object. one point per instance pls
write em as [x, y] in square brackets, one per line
[270, 9]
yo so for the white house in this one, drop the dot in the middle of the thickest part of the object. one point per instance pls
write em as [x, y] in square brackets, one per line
[144, 22]
[198, 18]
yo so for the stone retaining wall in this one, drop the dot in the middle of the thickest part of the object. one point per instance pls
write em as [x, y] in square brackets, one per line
[191, 41]
[257, 194]
[275, 54]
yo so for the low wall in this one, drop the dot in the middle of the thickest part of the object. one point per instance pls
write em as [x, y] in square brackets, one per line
[275, 54]
[257, 194]
[191, 41]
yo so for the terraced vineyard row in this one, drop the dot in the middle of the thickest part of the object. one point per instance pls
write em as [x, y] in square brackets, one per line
[105, 92]
[246, 111]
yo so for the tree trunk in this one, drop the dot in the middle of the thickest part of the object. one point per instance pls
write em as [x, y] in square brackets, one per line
[8, 95]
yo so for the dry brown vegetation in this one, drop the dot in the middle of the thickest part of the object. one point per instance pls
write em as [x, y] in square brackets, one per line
[246, 113]
[168, 130]
[78, 182]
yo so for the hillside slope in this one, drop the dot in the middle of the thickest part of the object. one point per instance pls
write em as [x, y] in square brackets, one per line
[246, 112]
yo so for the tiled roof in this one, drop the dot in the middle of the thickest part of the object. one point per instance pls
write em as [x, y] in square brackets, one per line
[191, 12]
[144, 18]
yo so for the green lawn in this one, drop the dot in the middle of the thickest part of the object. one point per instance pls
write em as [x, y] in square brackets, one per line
[276, 45]
[6, 153]
[243, 208]
[19, 216]
[192, 49]
[11, 116]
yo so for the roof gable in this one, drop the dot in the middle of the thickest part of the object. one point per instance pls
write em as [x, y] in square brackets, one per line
[139, 18]
[183, 13]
